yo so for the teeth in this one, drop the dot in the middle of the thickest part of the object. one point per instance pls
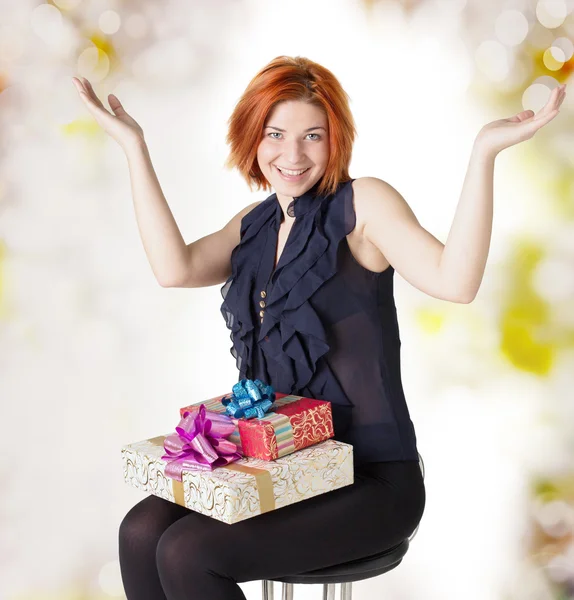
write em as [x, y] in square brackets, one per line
[287, 172]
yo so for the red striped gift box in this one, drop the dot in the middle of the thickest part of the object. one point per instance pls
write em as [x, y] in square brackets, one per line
[295, 423]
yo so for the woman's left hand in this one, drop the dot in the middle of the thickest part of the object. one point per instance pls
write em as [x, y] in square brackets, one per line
[498, 135]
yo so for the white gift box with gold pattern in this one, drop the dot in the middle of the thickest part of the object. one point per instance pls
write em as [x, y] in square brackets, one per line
[245, 488]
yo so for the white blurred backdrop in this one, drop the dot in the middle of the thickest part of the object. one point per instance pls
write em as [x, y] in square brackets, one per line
[95, 354]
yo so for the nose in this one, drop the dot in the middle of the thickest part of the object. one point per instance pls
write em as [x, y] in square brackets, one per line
[294, 152]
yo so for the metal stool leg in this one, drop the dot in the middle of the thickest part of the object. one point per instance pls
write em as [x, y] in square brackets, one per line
[287, 591]
[346, 591]
[267, 590]
[328, 591]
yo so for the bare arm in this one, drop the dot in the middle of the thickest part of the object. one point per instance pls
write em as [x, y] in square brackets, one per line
[451, 271]
[204, 262]
[162, 241]
[463, 259]
[209, 258]
[392, 227]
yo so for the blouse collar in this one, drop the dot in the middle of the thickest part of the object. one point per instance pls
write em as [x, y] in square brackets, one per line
[300, 204]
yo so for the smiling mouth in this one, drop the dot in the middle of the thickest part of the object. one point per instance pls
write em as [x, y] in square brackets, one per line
[291, 172]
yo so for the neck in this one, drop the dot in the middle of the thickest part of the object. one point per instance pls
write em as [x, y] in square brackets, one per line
[292, 206]
[284, 202]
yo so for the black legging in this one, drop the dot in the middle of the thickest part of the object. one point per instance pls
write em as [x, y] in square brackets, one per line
[169, 552]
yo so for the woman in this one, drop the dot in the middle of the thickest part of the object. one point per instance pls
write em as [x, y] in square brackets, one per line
[308, 297]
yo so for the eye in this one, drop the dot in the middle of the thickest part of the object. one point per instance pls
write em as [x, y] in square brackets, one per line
[273, 133]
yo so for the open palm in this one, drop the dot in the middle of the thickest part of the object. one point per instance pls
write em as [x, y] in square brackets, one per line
[119, 125]
[503, 133]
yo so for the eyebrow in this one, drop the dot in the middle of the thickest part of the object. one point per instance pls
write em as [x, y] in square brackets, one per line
[283, 130]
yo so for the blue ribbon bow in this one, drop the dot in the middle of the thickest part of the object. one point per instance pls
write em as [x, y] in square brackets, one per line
[249, 399]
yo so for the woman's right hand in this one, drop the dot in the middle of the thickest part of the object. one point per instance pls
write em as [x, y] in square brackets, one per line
[120, 126]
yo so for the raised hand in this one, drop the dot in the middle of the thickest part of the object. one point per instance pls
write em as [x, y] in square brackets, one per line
[498, 135]
[119, 125]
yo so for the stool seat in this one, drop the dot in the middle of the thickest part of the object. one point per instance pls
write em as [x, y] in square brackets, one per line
[346, 573]
[355, 570]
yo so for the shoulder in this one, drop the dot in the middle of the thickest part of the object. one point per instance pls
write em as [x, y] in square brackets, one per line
[239, 220]
[375, 198]
[372, 190]
[254, 210]
[250, 207]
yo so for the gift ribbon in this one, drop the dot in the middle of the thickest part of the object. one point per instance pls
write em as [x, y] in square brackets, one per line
[283, 431]
[200, 443]
[249, 399]
[263, 482]
[176, 486]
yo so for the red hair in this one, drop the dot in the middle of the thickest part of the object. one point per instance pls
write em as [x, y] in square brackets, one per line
[287, 78]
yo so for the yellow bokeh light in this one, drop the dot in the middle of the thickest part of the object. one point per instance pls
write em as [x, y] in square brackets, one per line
[94, 64]
[526, 316]
[430, 321]
[549, 60]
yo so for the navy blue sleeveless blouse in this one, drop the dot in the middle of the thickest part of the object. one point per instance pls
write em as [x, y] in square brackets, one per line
[320, 325]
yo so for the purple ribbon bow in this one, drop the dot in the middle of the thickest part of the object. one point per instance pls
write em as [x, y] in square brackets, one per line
[200, 443]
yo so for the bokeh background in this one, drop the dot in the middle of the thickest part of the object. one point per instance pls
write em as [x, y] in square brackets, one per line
[94, 353]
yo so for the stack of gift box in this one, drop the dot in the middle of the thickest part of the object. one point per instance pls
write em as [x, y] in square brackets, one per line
[243, 454]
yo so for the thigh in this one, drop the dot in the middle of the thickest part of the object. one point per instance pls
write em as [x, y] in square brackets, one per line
[381, 508]
[147, 520]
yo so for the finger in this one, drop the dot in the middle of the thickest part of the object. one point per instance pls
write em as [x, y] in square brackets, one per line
[115, 104]
[90, 91]
[553, 103]
[550, 103]
[522, 116]
[519, 117]
[86, 88]
[100, 114]
[97, 111]
[83, 90]
[560, 96]
[79, 85]
[535, 125]
[563, 95]
[554, 99]
[92, 94]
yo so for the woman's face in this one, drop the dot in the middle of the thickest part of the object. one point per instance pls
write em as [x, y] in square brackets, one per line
[295, 138]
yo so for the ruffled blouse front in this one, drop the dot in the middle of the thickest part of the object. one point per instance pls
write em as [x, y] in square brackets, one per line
[285, 347]
[328, 328]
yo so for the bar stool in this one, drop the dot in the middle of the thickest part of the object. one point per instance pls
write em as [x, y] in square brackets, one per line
[345, 573]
